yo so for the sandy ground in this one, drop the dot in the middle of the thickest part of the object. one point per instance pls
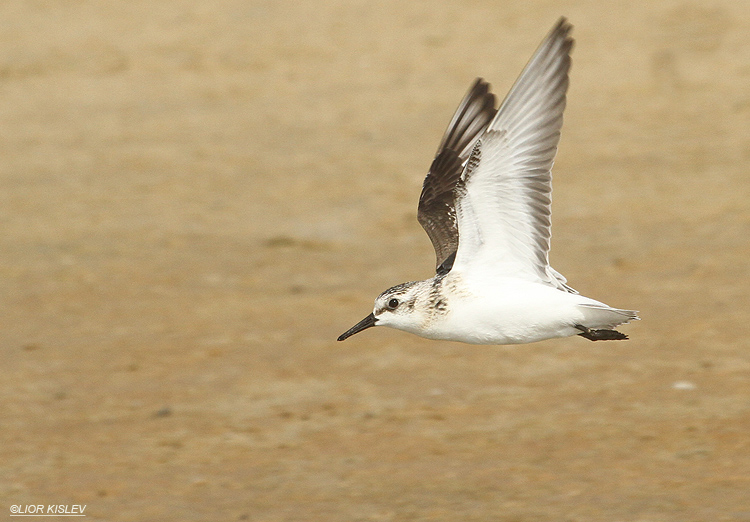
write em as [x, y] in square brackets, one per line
[198, 197]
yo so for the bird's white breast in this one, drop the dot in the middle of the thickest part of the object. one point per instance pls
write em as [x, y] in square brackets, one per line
[504, 311]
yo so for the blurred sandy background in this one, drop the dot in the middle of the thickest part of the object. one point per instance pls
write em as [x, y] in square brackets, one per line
[198, 197]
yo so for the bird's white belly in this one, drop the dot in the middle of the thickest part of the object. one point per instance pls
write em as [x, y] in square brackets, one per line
[508, 313]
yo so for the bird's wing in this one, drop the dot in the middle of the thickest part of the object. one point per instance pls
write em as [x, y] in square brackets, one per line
[503, 194]
[436, 212]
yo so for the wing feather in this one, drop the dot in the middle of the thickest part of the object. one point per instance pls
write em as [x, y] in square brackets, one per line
[436, 212]
[503, 201]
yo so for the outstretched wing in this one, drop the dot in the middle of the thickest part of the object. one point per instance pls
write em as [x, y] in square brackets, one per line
[503, 196]
[436, 212]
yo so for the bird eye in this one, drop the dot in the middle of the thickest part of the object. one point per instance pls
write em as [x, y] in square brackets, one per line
[392, 304]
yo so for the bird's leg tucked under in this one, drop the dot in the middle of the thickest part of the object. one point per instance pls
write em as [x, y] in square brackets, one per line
[600, 335]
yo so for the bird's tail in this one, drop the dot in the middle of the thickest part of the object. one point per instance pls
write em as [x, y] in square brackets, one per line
[602, 316]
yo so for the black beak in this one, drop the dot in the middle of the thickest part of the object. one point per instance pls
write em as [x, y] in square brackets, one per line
[362, 325]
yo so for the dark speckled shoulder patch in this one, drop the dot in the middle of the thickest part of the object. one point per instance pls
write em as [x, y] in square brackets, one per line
[437, 301]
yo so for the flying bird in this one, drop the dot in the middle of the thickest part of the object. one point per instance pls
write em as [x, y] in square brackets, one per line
[485, 205]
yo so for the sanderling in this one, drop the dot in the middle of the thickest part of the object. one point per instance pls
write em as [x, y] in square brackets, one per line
[485, 205]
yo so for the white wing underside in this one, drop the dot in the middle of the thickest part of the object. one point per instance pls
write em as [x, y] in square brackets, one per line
[503, 196]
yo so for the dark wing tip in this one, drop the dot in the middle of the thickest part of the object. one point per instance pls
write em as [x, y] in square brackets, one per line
[562, 25]
[563, 29]
[474, 113]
